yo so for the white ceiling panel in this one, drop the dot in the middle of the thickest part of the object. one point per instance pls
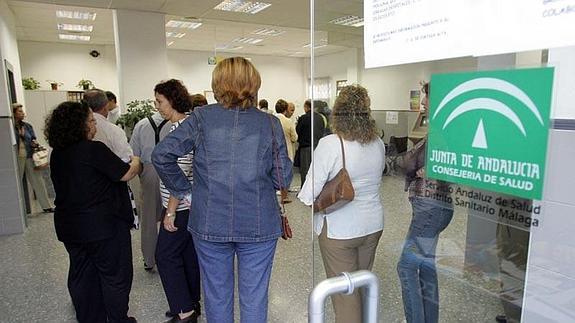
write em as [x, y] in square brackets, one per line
[37, 21]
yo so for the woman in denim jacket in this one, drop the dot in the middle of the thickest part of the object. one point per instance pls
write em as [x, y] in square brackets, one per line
[240, 160]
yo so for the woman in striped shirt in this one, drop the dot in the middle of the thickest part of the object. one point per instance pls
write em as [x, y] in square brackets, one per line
[175, 253]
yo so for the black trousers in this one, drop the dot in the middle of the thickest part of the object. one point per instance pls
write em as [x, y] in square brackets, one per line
[177, 263]
[305, 162]
[100, 278]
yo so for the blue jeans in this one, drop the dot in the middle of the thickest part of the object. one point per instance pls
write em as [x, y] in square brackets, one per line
[217, 271]
[416, 267]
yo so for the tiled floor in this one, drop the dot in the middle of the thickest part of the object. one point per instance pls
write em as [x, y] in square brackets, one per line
[33, 272]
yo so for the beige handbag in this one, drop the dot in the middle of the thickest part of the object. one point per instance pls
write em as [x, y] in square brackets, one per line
[337, 192]
[40, 157]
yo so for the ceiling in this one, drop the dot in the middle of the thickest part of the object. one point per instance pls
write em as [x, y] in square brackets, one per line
[36, 21]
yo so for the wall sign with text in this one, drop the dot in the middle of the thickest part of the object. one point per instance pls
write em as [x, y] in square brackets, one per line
[489, 129]
[408, 31]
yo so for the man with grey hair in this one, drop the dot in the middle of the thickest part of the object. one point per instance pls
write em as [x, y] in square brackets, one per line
[110, 134]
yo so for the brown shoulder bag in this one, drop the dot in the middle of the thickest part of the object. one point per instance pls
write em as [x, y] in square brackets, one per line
[286, 228]
[337, 192]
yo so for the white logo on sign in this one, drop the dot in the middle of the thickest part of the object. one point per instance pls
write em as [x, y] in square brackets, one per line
[487, 83]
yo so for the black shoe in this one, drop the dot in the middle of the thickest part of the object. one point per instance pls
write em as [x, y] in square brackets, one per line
[501, 319]
[170, 314]
[48, 210]
[193, 318]
[148, 268]
[132, 319]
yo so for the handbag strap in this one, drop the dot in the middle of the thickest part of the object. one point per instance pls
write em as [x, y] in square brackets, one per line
[275, 152]
[342, 150]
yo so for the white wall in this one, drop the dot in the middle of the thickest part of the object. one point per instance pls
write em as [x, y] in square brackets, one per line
[69, 63]
[9, 52]
[388, 86]
[282, 77]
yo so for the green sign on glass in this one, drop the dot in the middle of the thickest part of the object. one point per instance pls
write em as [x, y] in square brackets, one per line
[489, 129]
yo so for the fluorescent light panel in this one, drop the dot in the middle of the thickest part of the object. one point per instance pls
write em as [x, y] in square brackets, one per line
[227, 47]
[84, 15]
[74, 37]
[242, 6]
[353, 21]
[183, 24]
[170, 43]
[267, 32]
[72, 27]
[247, 40]
[171, 34]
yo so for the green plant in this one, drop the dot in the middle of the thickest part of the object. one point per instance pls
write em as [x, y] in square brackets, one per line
[30, 84]
[136, 111]
[54, 82]
[85, 84]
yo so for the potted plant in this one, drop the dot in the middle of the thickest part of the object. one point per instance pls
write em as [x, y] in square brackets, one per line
[136, 111]
[85, 84]
[30, 83]
[54, 84]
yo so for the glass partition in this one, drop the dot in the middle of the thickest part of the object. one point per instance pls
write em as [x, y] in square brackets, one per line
[447, 252]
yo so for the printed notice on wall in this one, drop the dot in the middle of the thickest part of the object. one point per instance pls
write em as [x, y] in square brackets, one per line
[407, 31]
[489, 130]
[392, 117]
[514, 26]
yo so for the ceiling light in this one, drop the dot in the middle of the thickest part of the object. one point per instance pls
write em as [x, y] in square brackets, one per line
[171, 34]
[242, 6]
[183, 24]
[85, 15]
[170, 43]
[247, 40]
[227, 47]
[353, 21]
[268, 32]
[79, 28]
[74, 37]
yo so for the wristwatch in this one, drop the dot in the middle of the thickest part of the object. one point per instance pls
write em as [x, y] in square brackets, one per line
[170, 214]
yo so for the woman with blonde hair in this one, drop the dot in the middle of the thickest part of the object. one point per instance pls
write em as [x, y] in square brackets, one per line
[348, 236]
[240, 160]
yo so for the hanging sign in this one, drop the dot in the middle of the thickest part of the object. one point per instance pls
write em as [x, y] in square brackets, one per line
[489, 129]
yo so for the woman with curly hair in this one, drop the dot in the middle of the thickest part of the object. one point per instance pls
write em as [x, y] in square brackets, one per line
[175, 252]
[90, 219]
[348, 236]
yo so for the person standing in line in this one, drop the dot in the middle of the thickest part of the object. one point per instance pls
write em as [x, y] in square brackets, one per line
[416, 266]
[146, 135]
[90, 219]
[26, 142]
[263, 105]
[306, 145]
[283, 113]
[175, 252]
[113, 108]
[240, 160]
[348, 236]
[198, 100]
[108, 133]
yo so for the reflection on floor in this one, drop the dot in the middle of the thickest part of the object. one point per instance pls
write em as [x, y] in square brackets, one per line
[34, 270]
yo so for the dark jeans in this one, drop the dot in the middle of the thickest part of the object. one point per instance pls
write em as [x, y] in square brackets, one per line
[416, 267]
[304, 162]
[178, 265]
[100, 278]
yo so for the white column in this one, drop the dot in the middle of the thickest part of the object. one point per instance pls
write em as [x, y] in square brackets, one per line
[141, 53]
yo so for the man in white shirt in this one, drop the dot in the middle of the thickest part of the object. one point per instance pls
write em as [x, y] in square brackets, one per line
[110, 134]
[284, 113]
[113, 107]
